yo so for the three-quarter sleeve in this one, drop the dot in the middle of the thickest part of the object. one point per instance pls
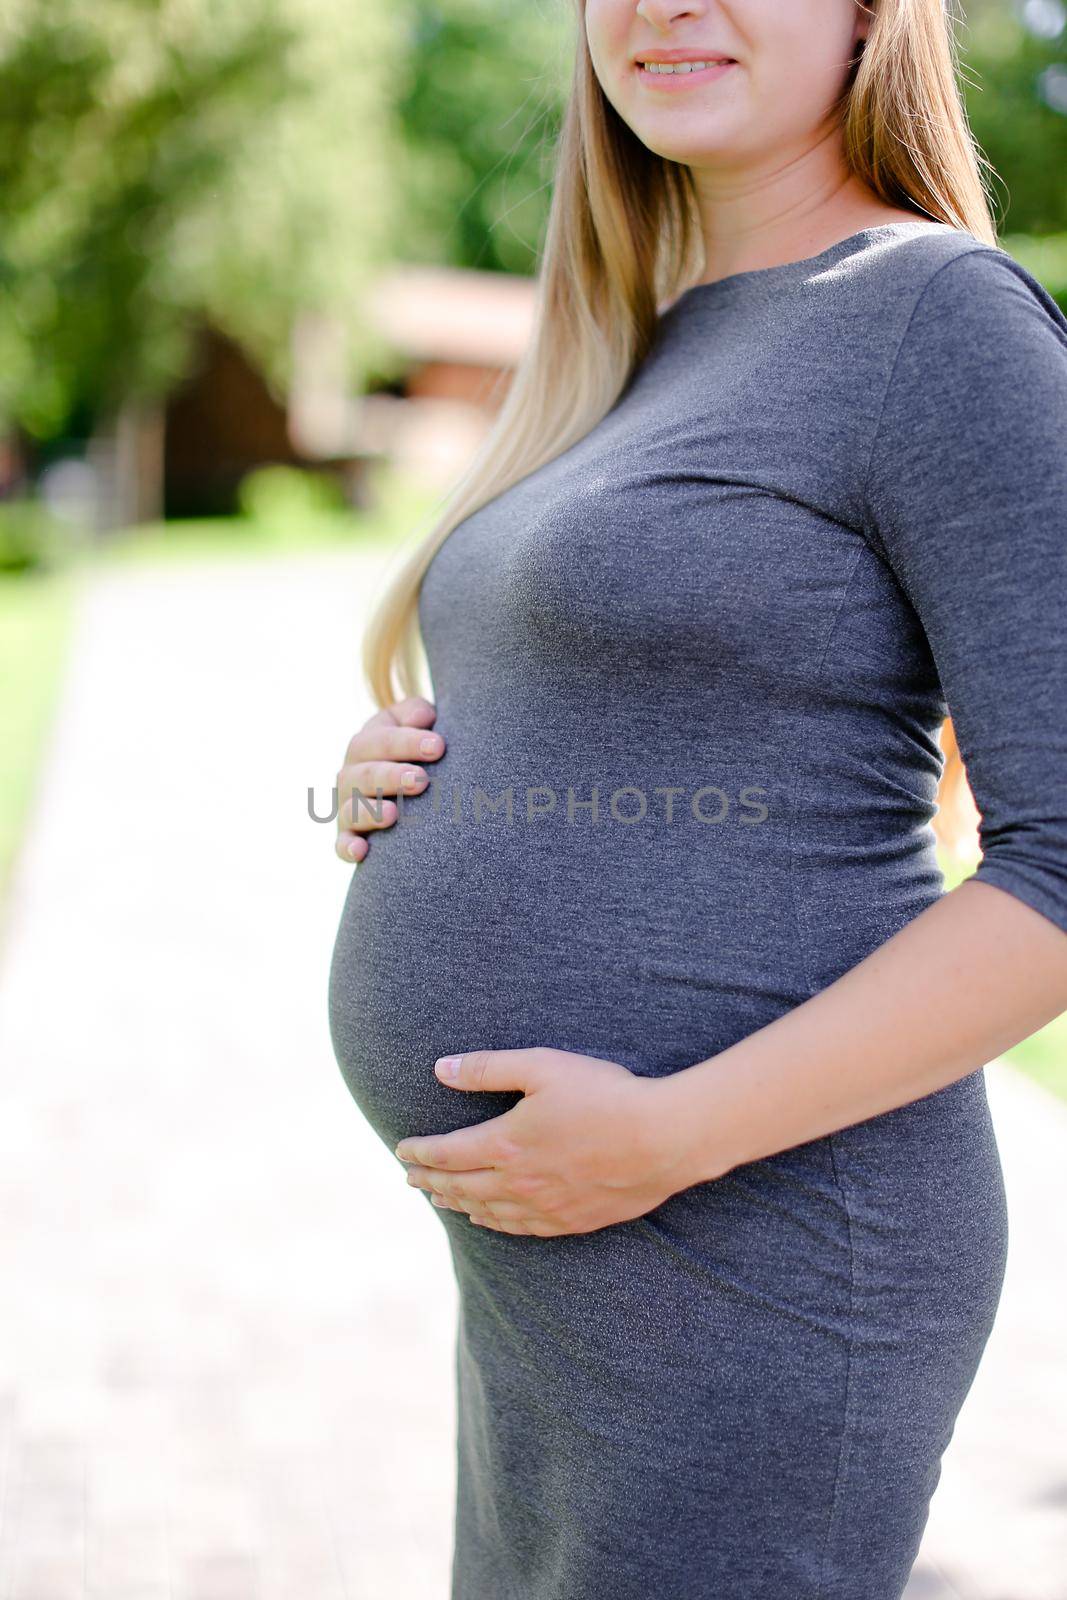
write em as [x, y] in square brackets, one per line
[966, 499]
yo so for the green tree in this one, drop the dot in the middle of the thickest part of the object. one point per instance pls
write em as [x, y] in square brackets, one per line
[163, 158]
[1011, 70]
[479, 104]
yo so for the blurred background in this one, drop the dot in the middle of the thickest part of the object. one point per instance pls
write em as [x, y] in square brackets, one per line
[265, 269]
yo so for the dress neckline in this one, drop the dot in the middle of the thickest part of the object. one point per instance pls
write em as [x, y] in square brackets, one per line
[761, 277]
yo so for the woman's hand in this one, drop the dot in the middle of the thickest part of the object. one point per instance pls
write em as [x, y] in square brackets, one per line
[380, 756]
[590, 1144]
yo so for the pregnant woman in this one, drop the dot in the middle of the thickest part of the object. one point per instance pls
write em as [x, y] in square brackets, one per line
[652, 980]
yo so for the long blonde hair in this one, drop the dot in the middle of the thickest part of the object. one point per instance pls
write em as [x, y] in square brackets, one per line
[623, 236]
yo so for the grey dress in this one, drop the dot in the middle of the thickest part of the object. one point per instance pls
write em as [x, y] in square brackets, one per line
[830, 505]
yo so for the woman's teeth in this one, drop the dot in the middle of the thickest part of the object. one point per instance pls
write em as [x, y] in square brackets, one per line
[679, 66]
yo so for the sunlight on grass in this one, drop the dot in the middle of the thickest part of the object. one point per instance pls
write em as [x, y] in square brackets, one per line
[35, 616]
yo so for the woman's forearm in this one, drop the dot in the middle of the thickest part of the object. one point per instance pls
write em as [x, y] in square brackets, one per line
[965, 980]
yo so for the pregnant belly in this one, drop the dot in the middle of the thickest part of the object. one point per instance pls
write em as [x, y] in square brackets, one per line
[655, 950]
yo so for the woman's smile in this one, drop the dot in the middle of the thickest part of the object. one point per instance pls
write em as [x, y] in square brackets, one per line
[681, 73]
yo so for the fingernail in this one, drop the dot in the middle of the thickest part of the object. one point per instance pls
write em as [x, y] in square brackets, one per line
[447, 1066]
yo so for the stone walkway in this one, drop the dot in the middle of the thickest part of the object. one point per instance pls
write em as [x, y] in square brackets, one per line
[227, 1336]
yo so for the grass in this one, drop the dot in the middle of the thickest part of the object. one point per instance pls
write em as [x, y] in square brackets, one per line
[35, 615]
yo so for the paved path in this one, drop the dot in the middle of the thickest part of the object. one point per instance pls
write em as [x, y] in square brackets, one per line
[226, 1342]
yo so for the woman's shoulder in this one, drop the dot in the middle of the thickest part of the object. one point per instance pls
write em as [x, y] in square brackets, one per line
[974, 378]
[943, 276]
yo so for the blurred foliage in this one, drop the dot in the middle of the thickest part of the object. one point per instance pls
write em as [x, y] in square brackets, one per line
[1045, 257]
[479, 106]
[281, 495]
[31, 537]
[400, 508]
[165, 158]
[1013, 54]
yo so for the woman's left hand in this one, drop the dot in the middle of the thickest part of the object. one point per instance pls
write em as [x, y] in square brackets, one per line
[590, 1144]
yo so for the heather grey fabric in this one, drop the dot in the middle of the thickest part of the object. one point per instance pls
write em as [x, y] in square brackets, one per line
[831, 502]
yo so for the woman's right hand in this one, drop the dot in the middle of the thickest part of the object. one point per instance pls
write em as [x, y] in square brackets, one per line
[381, 755]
